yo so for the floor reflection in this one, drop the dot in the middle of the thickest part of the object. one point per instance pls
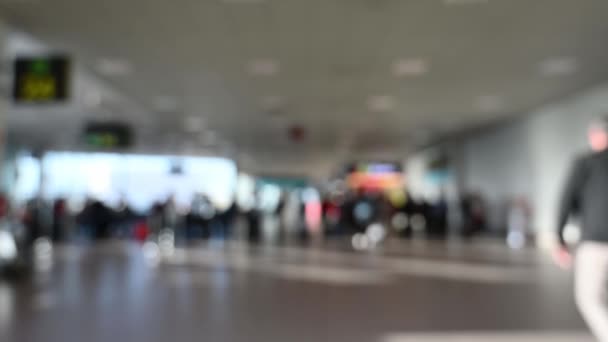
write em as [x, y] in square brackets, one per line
[238, 292]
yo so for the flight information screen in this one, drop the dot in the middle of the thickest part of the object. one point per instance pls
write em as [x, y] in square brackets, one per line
[41, 79]
[108, 135]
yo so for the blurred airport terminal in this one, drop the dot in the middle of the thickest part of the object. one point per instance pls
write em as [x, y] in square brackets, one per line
[293, 170]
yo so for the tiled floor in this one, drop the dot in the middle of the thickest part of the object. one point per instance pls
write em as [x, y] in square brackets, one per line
[234, 292]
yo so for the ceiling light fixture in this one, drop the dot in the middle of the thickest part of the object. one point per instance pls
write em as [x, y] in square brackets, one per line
[271, 102]
[380, 103]
[92, 98]
[208, 138]
[113, 67]
[559, 66]
[244, 2]
[194, 124]
[489, 103]
[263, 67]
[165, 104]
[410, 67]
[464, 2]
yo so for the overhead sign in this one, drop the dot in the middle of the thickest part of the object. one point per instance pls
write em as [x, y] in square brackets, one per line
[283, 182]
[41, 79]
[374, 167]
[176, 167]
[375, 176]
[108, 135]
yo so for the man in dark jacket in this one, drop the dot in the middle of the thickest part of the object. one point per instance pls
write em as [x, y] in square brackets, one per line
[586, 195]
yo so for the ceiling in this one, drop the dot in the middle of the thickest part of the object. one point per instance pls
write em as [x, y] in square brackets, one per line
[253, 68]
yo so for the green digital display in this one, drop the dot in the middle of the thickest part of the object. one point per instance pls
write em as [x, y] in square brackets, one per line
[41, 79]
[102, 140]
[107, 135]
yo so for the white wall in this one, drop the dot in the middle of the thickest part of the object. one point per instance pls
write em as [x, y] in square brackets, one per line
[558, 135]
[531, 156]
[528, 157]
[498, 164]
[501, 154]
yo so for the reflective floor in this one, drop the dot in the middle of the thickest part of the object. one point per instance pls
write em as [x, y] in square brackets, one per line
[405, 291]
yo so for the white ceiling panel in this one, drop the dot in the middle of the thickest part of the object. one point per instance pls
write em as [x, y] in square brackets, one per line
[330, 57]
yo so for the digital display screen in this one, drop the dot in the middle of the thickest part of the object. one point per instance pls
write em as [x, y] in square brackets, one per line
[283, 182]
[374, 167]
[41, 79]
[375, 175]
[107, 135]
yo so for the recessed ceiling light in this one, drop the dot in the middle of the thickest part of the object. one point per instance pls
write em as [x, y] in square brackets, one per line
[244, 2]
[194, 124]
[271, 102]
[113, 67]
[165, 104]
[380, 103]
[410, 67]
[559, 66]
[92, 98]
[489, 103]
[208, 138]
[263, 67]
[464, 2]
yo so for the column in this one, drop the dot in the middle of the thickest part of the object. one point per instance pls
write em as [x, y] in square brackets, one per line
[5, 76]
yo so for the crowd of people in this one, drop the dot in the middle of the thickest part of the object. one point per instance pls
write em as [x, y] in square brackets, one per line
[354, 211]
[98, 220]
[340, 215]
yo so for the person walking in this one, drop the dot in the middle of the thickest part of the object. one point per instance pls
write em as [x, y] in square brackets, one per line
[586, 195]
